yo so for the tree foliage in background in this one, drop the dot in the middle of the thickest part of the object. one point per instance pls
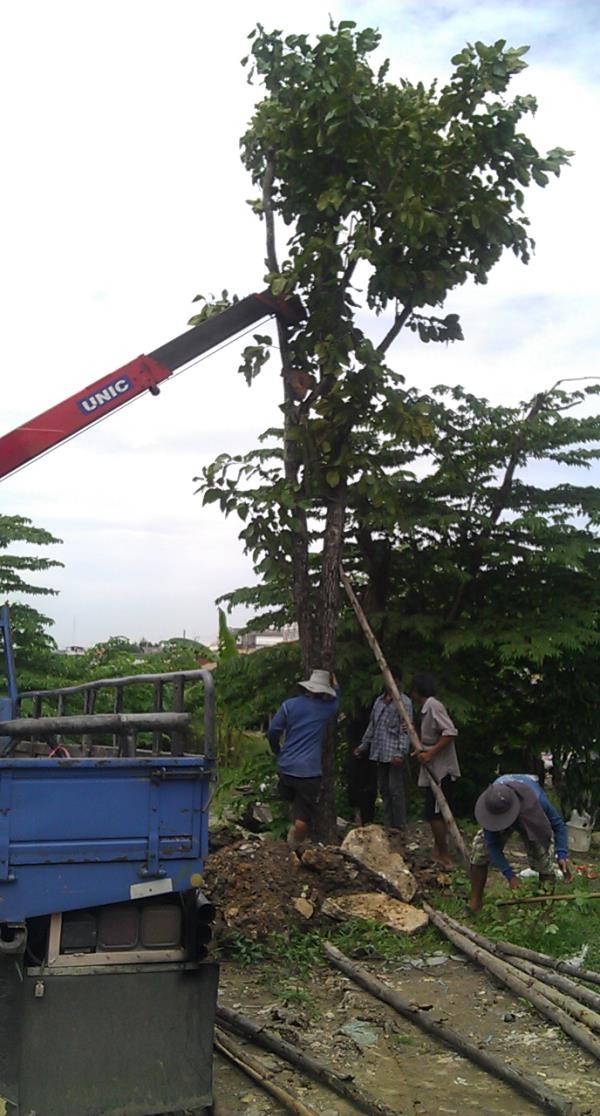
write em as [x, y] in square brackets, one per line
[32, 643]
[393, 194]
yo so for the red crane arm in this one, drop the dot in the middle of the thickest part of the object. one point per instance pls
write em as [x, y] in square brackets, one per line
[143, 374]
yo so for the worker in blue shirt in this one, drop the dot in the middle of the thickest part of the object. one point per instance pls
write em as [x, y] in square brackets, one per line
[516, 804]
[301, 722]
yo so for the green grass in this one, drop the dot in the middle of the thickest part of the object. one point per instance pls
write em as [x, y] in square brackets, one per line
[298, 951]
[556, 928]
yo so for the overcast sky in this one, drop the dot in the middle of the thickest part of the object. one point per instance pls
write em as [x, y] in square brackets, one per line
[123, 196]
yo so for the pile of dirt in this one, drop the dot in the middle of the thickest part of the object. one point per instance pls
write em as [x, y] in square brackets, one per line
[260, 886]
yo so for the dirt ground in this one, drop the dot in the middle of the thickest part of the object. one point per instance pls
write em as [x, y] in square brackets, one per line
[412, 1073]
[254, 882]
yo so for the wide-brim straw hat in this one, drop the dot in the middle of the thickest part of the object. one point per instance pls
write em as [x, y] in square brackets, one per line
[498, 807]
[319, 683]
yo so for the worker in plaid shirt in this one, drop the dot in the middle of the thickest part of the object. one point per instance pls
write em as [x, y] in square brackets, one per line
[387, 742]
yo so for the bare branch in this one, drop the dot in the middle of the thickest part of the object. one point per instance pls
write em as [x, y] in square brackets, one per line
[391, 335]
[268, 180]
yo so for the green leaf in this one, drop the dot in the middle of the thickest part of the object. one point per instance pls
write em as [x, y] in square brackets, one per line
[332, 477]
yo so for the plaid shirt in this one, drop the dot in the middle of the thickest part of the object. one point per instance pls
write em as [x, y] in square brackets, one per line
[386, 734]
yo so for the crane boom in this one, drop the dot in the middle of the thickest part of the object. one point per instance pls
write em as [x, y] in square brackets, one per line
[145, 373]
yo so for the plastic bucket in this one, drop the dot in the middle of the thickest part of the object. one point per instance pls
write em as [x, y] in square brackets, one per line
[580, 837]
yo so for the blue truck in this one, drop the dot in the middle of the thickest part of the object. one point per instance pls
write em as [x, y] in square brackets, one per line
[107, 996]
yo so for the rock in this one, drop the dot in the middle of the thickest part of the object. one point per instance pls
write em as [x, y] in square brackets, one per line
[360, 1031]
[596, 839]
[304, 907]
[316, 857]
[378, 851]
[400, 917]
[257, 817]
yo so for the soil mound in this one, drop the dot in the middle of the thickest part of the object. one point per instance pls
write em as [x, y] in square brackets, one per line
[256, 882]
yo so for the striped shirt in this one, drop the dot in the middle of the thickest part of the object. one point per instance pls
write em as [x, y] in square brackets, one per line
[386, 734]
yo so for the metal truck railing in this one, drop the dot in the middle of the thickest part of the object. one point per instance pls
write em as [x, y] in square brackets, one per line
[124, 727]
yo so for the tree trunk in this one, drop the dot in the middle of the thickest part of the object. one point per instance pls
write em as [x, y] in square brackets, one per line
[329, 590]
[291, 458]
[325, 828]
[525, 1085]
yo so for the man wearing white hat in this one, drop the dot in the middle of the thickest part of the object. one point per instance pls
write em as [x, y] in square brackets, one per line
[516, 804]
[302, 721]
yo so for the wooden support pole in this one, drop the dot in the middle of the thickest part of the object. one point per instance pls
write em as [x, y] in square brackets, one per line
[402, 710]
[526, 987]
[524, 1084]
[510, 950]
[259, 1073]
[343, 1086]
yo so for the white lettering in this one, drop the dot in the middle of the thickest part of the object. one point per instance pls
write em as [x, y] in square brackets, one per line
[106, 394]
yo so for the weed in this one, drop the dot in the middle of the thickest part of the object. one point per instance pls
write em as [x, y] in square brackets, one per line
[398, 1039]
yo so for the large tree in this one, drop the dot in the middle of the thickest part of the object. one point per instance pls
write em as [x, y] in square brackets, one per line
[392, 195]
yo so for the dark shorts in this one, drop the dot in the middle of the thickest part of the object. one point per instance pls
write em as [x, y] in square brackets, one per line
[432, 810]
[302, 794]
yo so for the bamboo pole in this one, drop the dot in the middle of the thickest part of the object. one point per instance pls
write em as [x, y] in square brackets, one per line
[92, 722]
[526, 987]
[524, 1084]
[510, 950]
[545, 898]
[343, 1086]
[259, 1073]
[390, 682]
[546, 976]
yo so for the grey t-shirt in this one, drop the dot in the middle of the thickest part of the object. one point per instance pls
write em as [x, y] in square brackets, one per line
[436, 722]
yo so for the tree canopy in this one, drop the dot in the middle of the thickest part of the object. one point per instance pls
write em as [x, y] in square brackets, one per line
[393, 193]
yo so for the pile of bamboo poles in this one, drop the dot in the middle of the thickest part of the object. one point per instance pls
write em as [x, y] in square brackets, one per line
[563, 1001]
[306, 1064]
[533, 1088]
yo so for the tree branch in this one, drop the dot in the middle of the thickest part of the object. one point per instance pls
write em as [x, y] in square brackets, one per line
[268, 179]
[391, 335]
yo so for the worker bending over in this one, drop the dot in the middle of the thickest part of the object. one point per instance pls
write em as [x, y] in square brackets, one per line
[516, 804]
[302, 722]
